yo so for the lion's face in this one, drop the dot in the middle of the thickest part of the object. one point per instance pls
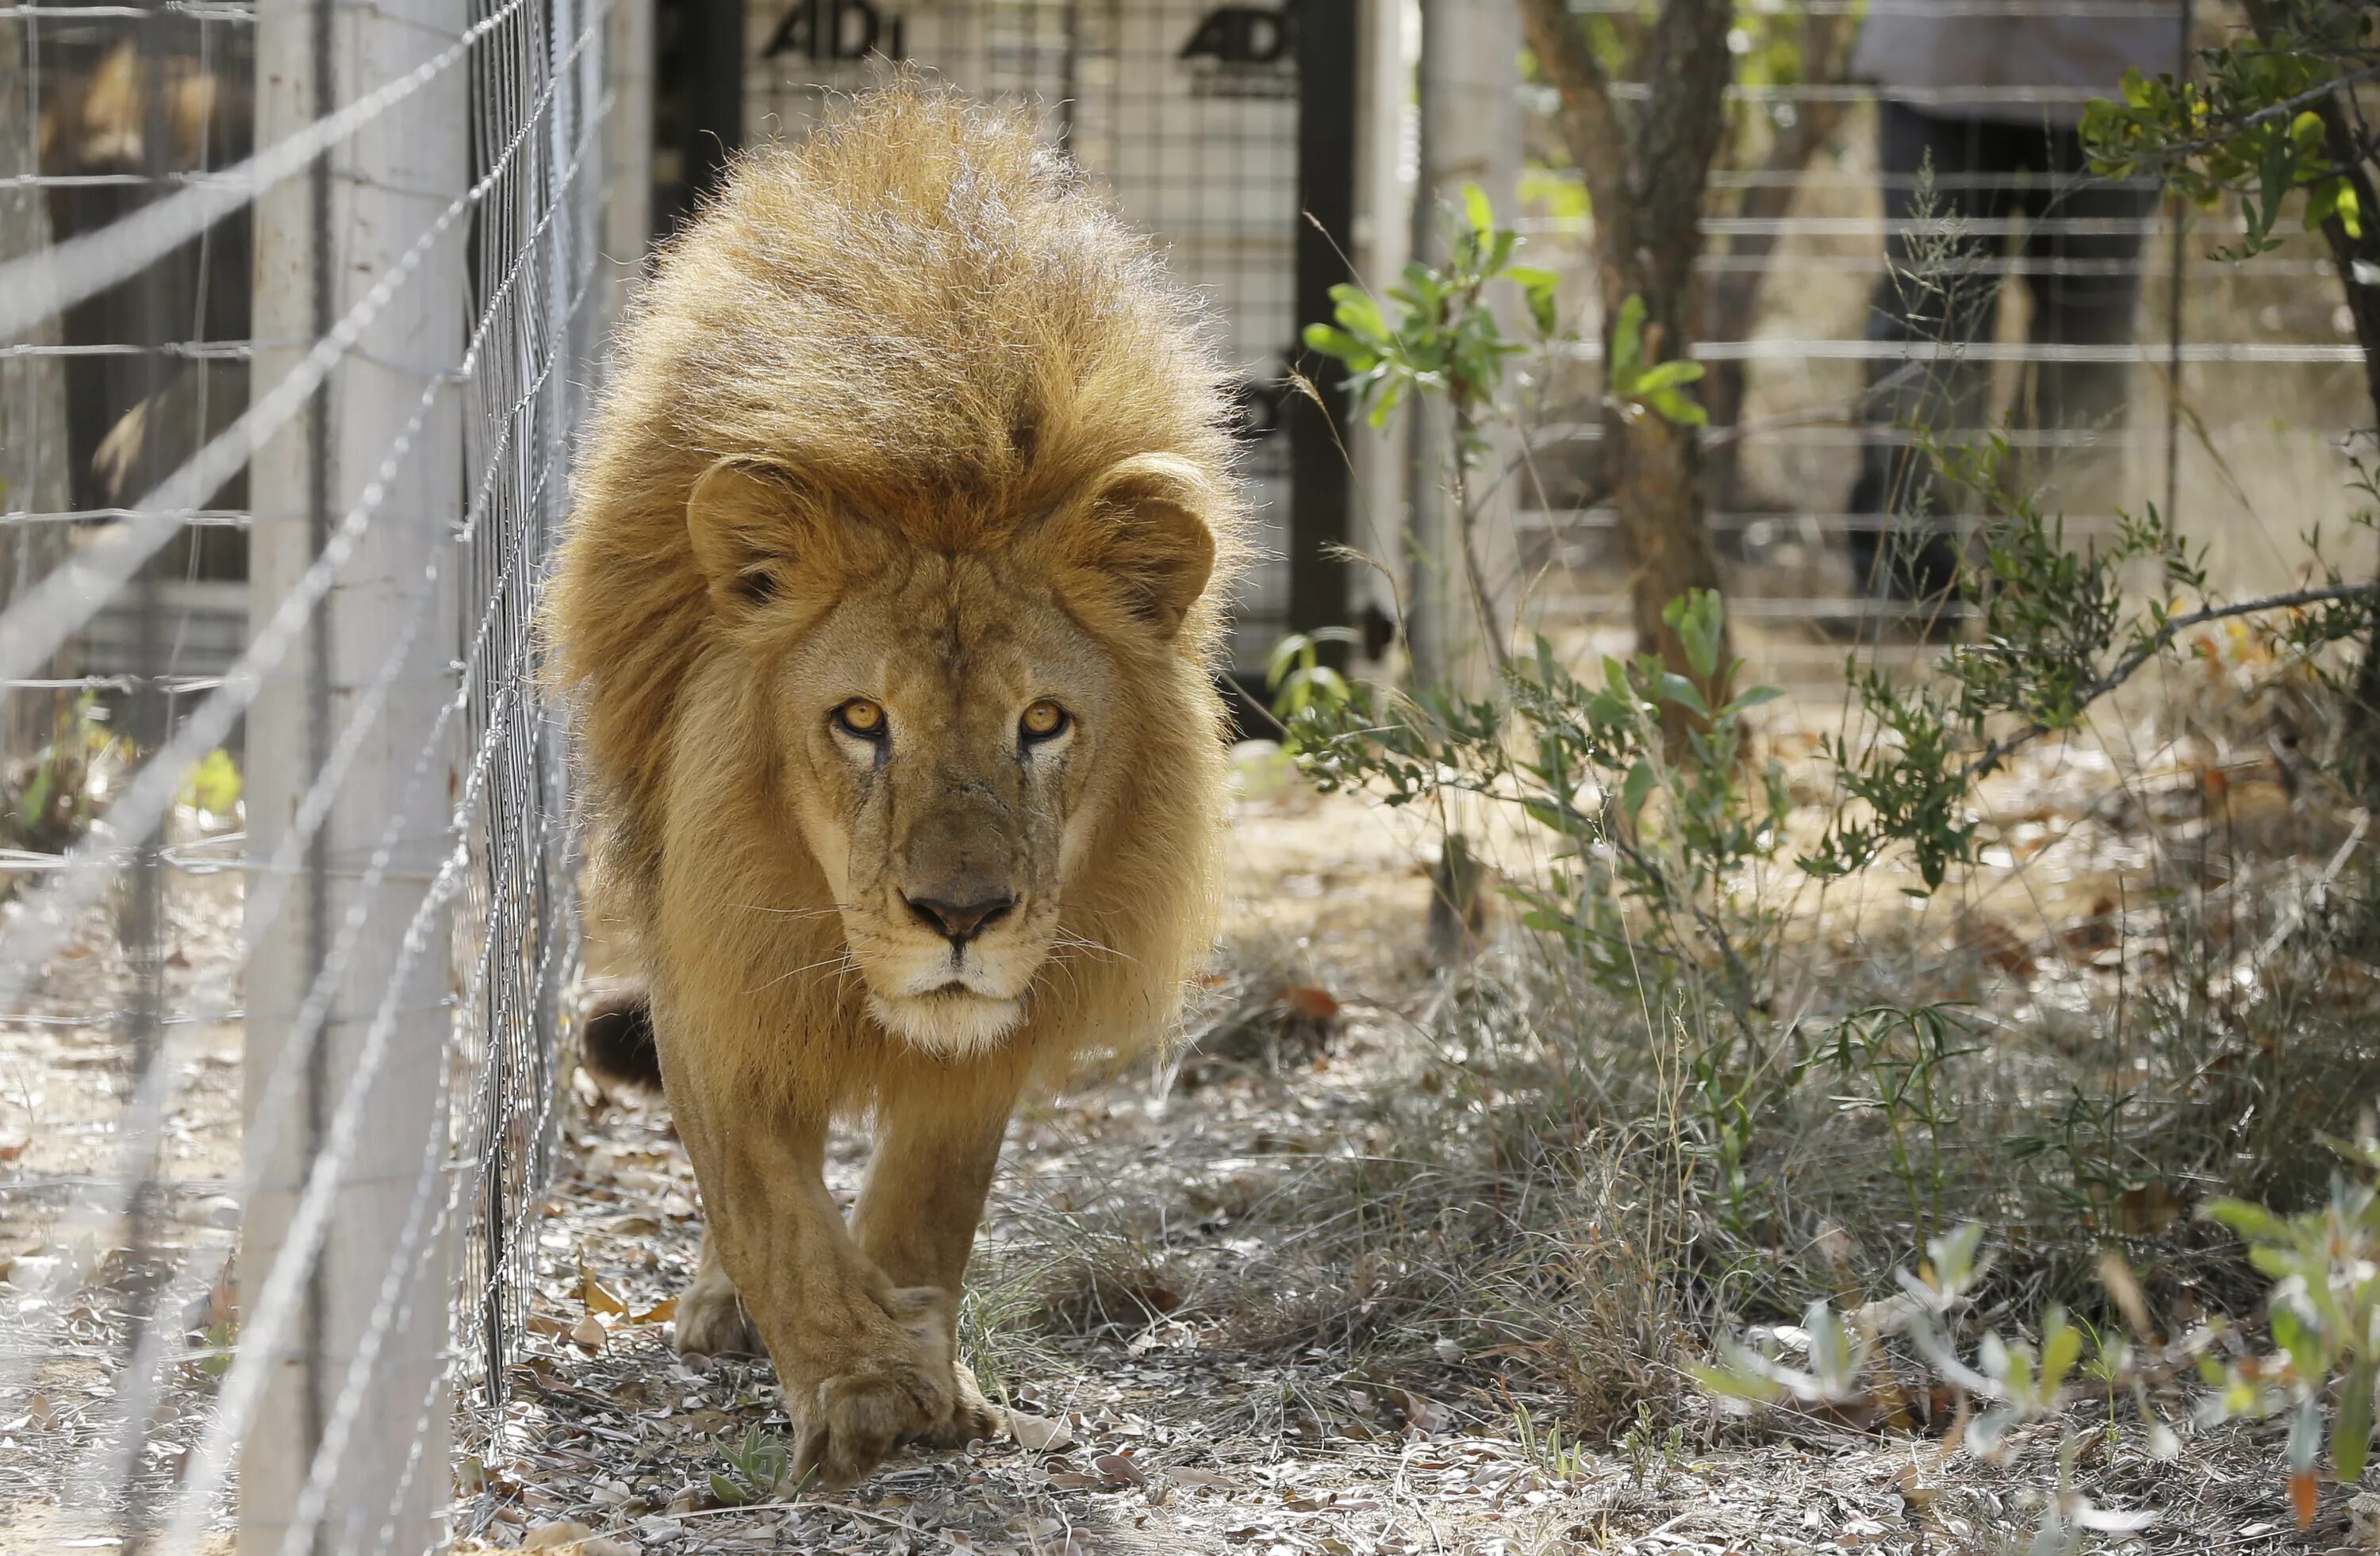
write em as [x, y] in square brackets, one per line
[949, 741]
[949, 729]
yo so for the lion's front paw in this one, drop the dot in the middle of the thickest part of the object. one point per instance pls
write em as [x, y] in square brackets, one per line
[972, 1417]
[710, 1319]
[855, 1418]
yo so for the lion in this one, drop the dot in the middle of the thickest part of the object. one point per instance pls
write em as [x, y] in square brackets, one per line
[887, 612]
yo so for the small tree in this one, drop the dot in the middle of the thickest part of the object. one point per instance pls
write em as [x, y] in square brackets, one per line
[1645, 172]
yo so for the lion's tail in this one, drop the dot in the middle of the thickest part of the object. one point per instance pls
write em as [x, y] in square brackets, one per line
[616, 1040]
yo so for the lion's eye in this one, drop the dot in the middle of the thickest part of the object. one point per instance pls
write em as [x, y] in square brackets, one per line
[1044, 720]
[862, 718]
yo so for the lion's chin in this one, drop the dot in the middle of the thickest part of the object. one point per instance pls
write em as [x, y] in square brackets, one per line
[956, 1021]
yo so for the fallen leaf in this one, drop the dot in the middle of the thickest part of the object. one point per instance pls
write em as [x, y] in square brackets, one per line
[2149, 1208]
[1424, 1414]
[1995, 946]
[599, 1297]
[560, 1532]
[1039, 1433]
[589, 1331]
[659, 1312]
[1305, 1000]
[1119, 1468]
[43, 1413]
[1206, 1478]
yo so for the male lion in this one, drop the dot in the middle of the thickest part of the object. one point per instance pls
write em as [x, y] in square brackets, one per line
[887, 607]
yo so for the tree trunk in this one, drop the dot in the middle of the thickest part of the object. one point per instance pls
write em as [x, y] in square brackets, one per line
[1661, 524]
[32, 406]
[1646, 180]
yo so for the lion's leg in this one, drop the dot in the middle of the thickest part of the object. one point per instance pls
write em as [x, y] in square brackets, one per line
[938, 1141]
[863, 1365]
[711, 1317]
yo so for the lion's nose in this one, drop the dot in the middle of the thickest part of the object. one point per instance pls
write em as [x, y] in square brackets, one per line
[960, 922]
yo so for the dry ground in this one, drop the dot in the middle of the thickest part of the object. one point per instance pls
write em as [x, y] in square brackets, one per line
[1122, 1216]
[1126, 1236]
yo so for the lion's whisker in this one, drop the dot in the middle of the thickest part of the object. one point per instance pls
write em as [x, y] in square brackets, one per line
[829, 911]
[843, 956]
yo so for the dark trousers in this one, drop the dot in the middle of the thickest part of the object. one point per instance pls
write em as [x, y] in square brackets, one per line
[2079, 253]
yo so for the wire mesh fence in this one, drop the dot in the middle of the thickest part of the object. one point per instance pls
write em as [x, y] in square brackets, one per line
[299, 303]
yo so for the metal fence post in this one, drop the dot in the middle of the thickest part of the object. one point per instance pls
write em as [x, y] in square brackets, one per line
[323, 241]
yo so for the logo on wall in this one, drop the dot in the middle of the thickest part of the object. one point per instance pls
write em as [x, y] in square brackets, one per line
[1243, 50]
[835, 32]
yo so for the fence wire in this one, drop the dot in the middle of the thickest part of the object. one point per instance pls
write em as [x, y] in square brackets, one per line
[296, 322]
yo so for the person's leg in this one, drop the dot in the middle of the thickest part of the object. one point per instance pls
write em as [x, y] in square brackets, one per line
[2085, 281]
[1938, 289]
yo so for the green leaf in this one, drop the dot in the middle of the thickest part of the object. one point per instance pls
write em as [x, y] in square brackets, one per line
[1668, 376]
[728, 1492]
[1356, 309]
[34, 802]
[2252, 1223]
[1476, 210]
[1637, 787]
[1285, 654]
[1682, 691]
[1628, 339]
[2061, 1347]
[1673, 407]
[1953, 1257]
[1832, 1357]
[1699, 619]
[1323, 682]
[1338, 343]
[2350, 1435]
[213, 784]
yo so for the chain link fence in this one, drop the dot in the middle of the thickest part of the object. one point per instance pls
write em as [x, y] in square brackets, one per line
[299, 302]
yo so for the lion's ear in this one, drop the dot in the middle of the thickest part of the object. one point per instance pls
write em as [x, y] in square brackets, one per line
[1143, 537]
[746, 521]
